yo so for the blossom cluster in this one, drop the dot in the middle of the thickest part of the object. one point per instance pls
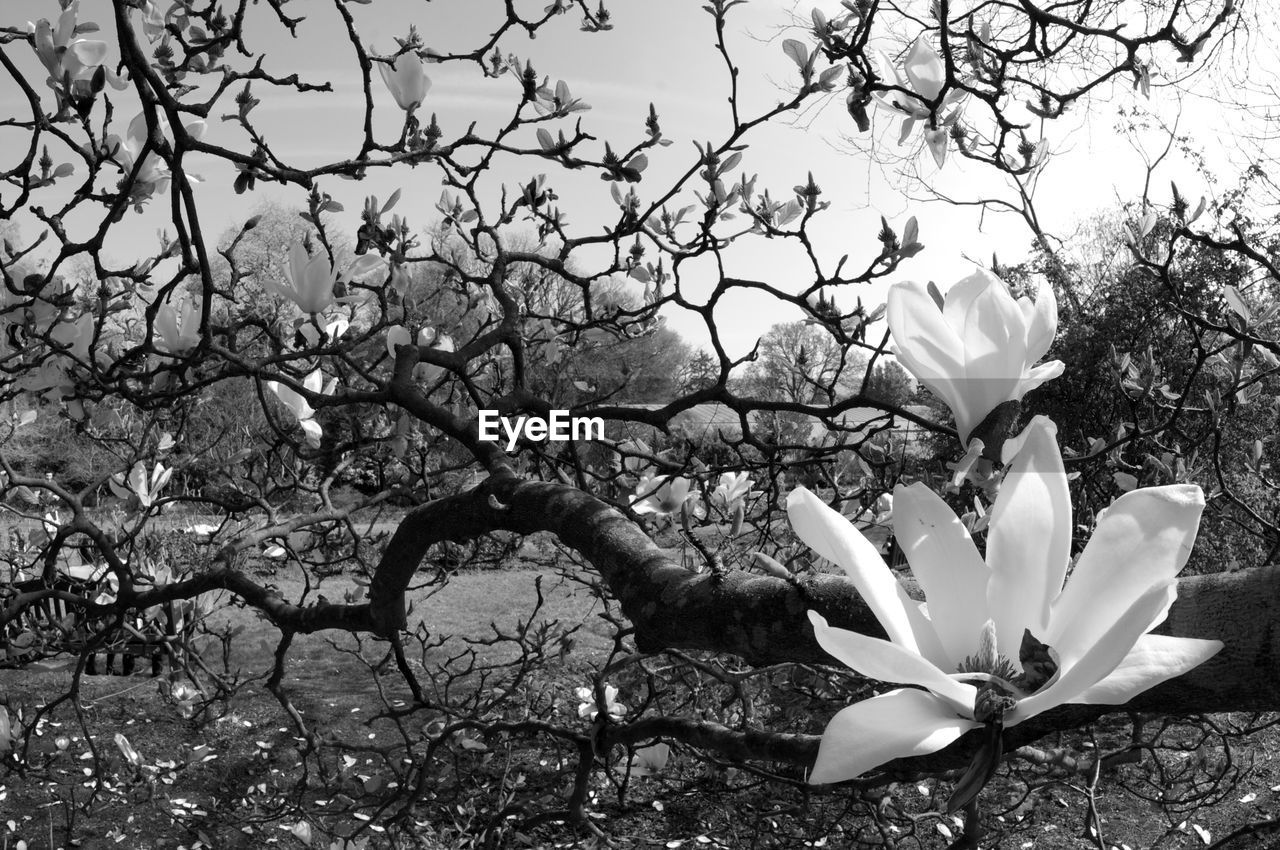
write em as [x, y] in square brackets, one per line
[1002, 638]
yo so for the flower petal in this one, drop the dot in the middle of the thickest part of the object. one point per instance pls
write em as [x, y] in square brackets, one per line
[406, 79]
[196, 129]
[313, 432]
[138, 478]
[314, 381]
[888, 70]
[908, 124]
[925, 342]
[397, 335]
[44, 46]
[363, 264]
[119, 81]
[296, 271]
[833, 537]
[946, 564]
[961, 295]
[897, 724]
[90, 53]
[937, 142]
[166, 325]
[1043, 326]
[316, 293]
[1107, 650]
[1037, 376]
[1141, 541]
[160, 477]
[67, 23]
[994, 334]
[887, 662]
[994, 350]
[1153, 659]
[924, 69]
[928, 644]
[1029, 543]
[415, 79]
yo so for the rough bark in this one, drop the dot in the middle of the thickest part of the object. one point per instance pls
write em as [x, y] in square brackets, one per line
[762, 619]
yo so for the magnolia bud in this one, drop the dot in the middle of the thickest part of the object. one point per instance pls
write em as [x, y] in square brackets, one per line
[766, 564]
[739, 514]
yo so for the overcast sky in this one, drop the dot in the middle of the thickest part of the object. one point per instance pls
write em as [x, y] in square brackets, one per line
[660, 51]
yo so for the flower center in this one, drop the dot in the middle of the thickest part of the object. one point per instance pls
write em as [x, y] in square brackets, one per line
[992, 702]
[1000, 683]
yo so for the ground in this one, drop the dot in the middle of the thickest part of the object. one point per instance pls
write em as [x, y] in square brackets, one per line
[220, 783]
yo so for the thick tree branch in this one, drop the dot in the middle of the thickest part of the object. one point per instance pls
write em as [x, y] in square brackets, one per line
[763, 620]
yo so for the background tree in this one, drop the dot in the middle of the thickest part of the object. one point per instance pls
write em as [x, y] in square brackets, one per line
[889, 383]
[699, 372]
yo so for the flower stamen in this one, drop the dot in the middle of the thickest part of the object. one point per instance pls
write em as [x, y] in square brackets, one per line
[988, 658]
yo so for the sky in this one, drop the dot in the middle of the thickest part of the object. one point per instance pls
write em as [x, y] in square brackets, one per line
[660, 52]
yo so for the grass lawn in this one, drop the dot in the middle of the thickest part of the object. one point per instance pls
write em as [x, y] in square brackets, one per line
[253, 743]
[466, 607]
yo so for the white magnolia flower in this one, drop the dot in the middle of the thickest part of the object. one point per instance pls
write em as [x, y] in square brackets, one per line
[186, 697]
[923, 73]
[184, 692]
[883, 509]
[300, 407]
[979, 348]
[139, 485]
[70, 60]
[153, 175]
[178, 325]
[154, 21]
[651, 760]
[398, 335]
[733, 488]
[1088, 642]
[661, 496]
[51, 521]
[314, 333]
[311, 278]
[109, 590]
[587, 707]
[407, 79]
[972, 466]
[127, 750]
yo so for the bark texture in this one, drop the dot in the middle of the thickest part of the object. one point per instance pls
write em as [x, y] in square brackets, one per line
[762, 619]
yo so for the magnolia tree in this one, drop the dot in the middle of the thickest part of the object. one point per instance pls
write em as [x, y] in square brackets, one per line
[412, 348]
